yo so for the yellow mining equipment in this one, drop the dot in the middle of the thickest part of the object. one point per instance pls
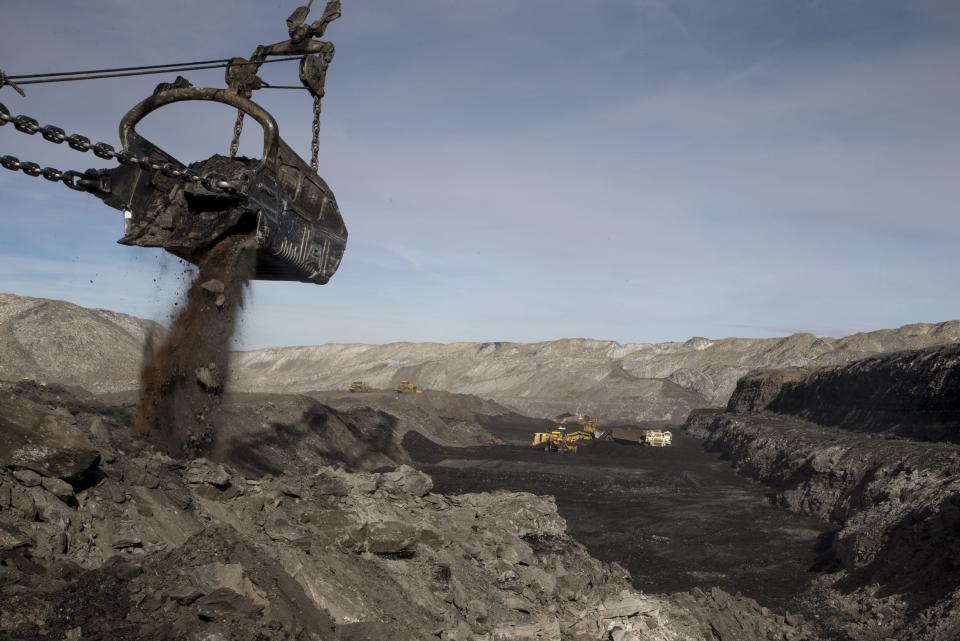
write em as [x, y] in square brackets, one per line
[405, 386]
[358, 386]
[583, 429]
[556, 441]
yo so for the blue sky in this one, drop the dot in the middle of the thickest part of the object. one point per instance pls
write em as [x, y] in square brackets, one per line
[635, 170]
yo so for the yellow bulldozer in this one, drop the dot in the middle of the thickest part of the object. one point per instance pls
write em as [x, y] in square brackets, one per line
[405, 386]
[358, 386]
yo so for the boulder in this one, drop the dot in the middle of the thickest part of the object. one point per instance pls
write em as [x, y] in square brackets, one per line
[203, 471]
[388, 537]
[406, 480]
[122, 544]
[185, 595]
[36, 438]
[279, 529]
[27, 478]
[213, 493]
[329, 485]
[627, 604]
[11, 538]
[224, 600]
[59, 488]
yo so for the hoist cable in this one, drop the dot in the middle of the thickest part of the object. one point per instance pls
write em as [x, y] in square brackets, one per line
[96, 74]
[92, 71]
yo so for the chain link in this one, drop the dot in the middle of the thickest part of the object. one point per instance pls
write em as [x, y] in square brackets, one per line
[315, 141]
[212, 182]
[72, 179]
[26, 124]
[237, 130]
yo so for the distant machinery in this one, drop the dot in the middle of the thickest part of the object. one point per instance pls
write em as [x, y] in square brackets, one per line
[406, 386]
[555, 441]
[642, 436]
[657, 438]
[564, 440]
[358, 386]
[574, 430]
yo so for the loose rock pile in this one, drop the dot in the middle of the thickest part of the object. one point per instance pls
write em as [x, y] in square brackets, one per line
[104, 537]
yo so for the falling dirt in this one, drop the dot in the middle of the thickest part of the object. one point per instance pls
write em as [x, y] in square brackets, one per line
[183, 377]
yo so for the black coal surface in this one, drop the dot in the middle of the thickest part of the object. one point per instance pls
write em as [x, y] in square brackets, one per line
[676, 517]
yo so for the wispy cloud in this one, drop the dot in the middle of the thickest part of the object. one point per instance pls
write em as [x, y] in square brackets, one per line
[529, 170]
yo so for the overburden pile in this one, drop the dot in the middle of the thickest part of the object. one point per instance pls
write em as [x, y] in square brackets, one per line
[102, 536]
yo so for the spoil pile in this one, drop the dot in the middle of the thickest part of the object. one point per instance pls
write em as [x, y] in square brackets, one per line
[456, 420]
[104, 537]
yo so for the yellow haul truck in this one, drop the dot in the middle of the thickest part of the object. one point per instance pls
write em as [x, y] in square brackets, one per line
[358, 386]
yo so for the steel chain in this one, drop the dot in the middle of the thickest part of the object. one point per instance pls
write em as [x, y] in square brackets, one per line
[73, 179]
[237, 130]
[212, 182]
[315, 140]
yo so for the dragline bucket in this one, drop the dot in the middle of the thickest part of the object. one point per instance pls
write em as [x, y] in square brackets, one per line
[300, 234]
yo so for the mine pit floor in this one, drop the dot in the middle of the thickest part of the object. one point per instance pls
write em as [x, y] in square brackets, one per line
[676, 517]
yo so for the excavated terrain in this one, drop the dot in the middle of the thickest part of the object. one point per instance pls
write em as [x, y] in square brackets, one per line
[911, 394]
[307, 519]
[673, 517]
[57, 342]
[104, 537]
[893, 560]
[631, 382]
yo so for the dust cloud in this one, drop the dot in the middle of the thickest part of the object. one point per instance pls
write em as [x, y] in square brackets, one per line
[183, 377]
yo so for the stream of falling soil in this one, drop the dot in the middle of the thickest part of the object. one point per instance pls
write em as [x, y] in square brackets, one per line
[183, 378]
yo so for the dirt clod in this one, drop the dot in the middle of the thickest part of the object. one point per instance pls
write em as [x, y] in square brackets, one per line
[213, 286]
